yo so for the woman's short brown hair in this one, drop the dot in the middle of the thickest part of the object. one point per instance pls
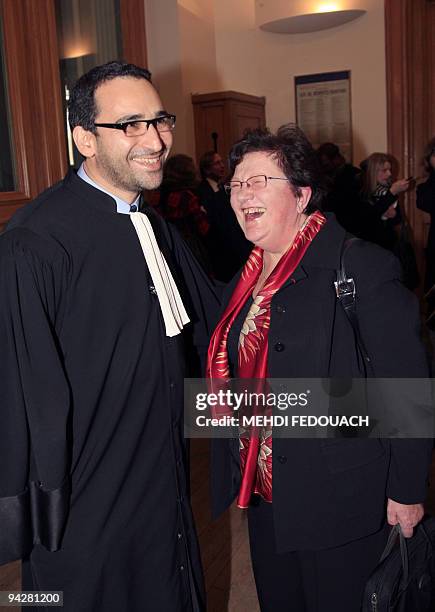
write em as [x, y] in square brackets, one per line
[293, 153]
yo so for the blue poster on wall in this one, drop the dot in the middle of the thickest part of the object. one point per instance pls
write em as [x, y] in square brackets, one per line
[323, 109]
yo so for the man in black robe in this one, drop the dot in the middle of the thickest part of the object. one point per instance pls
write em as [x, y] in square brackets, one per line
[93, 306]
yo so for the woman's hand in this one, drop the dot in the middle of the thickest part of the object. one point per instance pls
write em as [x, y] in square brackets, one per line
[407, 515]
[390, 213]
[400, 186]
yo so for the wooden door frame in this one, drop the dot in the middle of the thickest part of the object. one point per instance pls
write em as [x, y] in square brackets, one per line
[133, 26]
[34, 91]
[34, 96]
[409, 80]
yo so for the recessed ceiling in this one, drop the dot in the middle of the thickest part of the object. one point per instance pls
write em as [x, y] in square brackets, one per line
[312, 22]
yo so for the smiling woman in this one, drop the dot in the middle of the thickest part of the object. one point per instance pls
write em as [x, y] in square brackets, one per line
[317, 519]
[271, 194]
[269, 211]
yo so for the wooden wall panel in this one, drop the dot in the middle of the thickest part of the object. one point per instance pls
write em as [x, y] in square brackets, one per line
[431, 64]
[134, 45]
[228, 114]
[409, 32]
[43, 62]
[32, 67]
[35, 99]
[17, 86]
[209, 119]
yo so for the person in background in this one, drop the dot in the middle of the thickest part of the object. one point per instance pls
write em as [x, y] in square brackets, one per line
[426, 202]
[97, 296]
[379, 193]
[212, 170]
[318, 509]
[382, 219]
[227, 247]
[177, 201]
[342, 184]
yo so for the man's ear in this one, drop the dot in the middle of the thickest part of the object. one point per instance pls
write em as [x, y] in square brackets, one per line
[85, 141]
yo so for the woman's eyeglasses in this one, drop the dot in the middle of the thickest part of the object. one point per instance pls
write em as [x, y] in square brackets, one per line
[255, 183]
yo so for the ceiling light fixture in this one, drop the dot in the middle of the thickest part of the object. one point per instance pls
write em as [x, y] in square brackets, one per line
[302, 17]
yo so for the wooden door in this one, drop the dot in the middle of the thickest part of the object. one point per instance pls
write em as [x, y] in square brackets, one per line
[32, 93]
[222, 117]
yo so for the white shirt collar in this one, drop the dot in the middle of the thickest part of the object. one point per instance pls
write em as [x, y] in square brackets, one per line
[122, 206]
[213, 184]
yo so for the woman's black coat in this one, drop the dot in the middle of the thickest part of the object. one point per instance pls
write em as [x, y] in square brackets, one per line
[328, 492]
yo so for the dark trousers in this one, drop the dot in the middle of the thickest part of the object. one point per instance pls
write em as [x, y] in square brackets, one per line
[329, 580]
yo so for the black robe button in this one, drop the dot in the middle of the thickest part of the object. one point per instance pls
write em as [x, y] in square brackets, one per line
[152, 289]
[282, 459]
[280, 309]
[279, 346]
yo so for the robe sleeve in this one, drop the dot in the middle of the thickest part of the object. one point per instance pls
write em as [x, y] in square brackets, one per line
[34, 396]
[390, 324]
[202, 295]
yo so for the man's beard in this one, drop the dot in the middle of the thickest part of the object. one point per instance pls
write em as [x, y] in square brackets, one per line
[121, 174]
[216, 177]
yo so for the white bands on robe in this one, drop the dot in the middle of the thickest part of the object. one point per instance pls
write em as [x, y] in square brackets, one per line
[171, 305]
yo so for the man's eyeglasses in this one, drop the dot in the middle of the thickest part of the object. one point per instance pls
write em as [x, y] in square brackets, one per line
[139, 127]
[255, 183]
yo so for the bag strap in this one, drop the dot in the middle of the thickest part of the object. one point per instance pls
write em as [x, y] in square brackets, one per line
[345, 290]
[394, 533]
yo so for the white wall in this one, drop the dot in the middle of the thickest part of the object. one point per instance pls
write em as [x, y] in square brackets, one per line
[182, 59]
[262, 63]
[198, 56]
[164, 61]
[198, 46]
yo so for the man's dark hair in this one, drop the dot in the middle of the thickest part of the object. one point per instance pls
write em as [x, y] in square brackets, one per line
[329, 150]
[205, 163]
[82, 107]
[293, 153]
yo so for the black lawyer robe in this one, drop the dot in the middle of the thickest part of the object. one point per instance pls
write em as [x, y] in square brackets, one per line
[92, 454]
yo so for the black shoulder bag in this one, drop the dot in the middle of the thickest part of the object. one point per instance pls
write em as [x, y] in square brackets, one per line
[404, 579]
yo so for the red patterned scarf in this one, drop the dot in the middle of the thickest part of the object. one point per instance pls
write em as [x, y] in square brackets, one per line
[256, 451]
